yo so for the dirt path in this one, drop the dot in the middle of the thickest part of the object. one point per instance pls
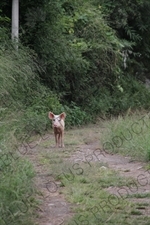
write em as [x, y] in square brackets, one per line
[124, 165]
[54, 210]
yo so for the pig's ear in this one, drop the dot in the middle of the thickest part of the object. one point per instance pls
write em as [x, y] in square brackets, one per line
[51, 115]
[62, 115]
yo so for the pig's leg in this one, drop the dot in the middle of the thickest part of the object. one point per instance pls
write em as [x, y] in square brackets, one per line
[56, 140]
[59, 139]
[62, 139]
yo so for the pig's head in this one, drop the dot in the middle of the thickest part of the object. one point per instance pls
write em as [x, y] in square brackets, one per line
[57, 120]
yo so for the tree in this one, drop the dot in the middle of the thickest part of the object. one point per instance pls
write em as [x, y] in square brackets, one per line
[131, 21]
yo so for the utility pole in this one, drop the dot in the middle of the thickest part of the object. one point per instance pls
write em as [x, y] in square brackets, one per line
[15, 22]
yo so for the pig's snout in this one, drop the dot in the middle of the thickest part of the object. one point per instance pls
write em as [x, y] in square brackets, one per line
[56, 123]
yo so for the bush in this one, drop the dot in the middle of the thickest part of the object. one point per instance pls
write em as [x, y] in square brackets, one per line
[76, 116]
[129, 93]
[35, 117]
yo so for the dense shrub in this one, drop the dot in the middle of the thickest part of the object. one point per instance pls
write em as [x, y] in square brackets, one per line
[76, 116]
[130, 93]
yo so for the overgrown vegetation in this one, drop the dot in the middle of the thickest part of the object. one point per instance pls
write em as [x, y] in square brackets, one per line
[90, 55]
[87, 58]
[128, 135]
[17, 87]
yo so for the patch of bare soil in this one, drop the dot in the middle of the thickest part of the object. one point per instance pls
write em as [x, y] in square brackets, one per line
[55, 210]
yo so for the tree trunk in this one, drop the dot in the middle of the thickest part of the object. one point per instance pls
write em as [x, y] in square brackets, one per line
[15, 21]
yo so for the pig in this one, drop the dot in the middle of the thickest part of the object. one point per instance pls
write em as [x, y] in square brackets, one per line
[58, 124]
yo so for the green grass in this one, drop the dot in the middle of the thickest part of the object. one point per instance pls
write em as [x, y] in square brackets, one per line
[129, 136]
[85, 187]
[140, 195]
[94, 204]
[17, 191]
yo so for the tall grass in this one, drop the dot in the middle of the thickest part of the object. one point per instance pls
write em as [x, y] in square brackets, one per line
[129, 136]
[19, 85]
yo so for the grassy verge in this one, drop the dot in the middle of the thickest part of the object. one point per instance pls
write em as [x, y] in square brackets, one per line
[129, 136]
[17, 191]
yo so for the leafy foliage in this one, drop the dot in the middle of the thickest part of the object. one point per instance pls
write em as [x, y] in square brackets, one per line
[131, 20]
[83, 49]
[77, 49]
